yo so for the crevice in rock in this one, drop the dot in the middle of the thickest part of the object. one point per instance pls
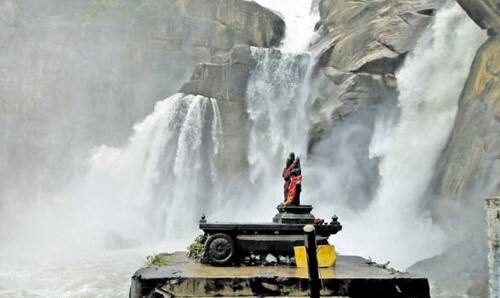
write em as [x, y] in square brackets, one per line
[427, 12]
[388, 46]
[404, 20]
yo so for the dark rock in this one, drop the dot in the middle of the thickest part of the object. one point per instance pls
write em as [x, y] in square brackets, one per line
[486, 13]
[277, 238]
[225, 78]
[360, 46]
[460, 269]
[294, 214]
[371, 36]
[339, 94]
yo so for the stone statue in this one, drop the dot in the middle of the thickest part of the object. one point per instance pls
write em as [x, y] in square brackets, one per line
[293, 180]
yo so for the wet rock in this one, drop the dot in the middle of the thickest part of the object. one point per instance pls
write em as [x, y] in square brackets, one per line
[104, 64]
[486, 13]
[360, 46]
[225, 78]
[355, 279]
[371, 36]
[472, 156]
[338, 94]
[458, 270]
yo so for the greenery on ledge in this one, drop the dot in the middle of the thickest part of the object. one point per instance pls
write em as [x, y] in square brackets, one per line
[156, 260]
[196, 249]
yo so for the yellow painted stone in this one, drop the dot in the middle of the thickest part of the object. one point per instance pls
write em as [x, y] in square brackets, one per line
[326, 254]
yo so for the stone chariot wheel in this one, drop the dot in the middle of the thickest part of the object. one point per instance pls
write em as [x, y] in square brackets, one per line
[220, 249]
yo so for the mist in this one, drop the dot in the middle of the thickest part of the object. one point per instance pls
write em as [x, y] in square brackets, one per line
[404, 147]
[103, 161]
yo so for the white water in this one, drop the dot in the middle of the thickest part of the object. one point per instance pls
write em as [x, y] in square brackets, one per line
[146, 188]
[396, 226]
[278, 106]
[156, 177]
[300, 19]
[130, 197]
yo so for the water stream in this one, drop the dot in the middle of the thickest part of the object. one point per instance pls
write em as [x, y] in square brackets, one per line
[165, 175]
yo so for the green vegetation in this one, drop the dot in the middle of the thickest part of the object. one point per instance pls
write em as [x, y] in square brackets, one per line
[156, 260]
[196, 249]
[231, 32]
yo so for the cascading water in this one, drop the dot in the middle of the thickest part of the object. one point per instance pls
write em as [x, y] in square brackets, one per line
[300, 18]
[278, 106]
[159, 173]
[163, 177]
[396, 226]
[153, 179]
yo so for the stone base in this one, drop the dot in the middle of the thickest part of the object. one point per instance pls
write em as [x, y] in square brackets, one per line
[351, 277]
[294, 214]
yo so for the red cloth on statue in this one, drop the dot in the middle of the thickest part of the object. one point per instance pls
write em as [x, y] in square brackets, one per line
[286, 175]
[292, 188]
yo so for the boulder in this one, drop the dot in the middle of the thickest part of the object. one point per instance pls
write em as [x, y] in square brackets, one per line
[486, 13]
[360, 46]
[226, 22]
[225, 78]
[370, 36]
[338, 94]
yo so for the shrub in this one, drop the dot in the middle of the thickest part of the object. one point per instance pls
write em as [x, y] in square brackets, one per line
[156, 260]
[196, 249]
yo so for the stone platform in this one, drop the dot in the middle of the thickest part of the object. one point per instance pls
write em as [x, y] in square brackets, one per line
[352, 277]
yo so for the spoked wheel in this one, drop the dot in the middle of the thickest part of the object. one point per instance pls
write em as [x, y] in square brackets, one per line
[220, 249]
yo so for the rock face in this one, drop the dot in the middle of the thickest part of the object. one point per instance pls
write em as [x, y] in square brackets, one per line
[486, 13]
[225, 78]
[371, 36]
[360, 46]
[219, 24]
[72, 77]
[472, 167]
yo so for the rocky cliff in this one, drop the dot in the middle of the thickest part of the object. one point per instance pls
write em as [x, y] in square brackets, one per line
[471, 169]
[72, 77]
[360, 46]
[225, 78]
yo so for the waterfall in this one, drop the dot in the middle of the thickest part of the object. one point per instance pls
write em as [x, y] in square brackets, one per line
[277, 107]
[396, 225]
[300, 17]
[162, 175]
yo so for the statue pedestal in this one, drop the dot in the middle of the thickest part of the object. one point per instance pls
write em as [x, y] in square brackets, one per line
[290, 214]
